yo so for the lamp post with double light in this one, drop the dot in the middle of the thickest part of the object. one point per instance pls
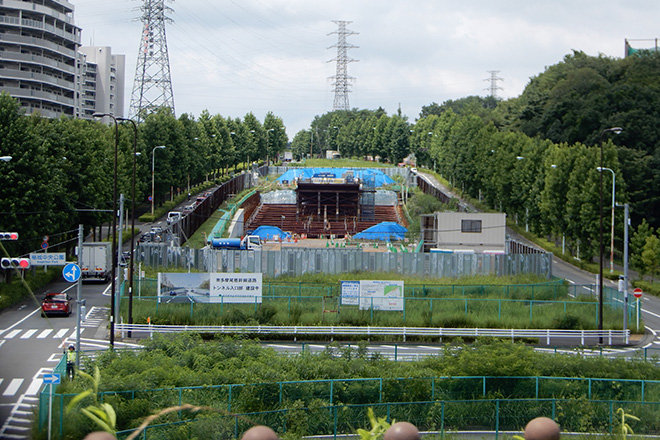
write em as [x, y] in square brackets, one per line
[131, 264]
[153, 168]
[114, 232]
[615, 130]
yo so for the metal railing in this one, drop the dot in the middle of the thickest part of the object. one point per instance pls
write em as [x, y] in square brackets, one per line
[439, 332]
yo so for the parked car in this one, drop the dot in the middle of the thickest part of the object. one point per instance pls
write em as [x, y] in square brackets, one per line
[56, 304]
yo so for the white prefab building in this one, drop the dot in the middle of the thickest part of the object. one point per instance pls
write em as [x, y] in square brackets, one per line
[477, 232]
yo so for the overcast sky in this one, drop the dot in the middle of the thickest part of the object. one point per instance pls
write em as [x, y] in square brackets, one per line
[232, 57]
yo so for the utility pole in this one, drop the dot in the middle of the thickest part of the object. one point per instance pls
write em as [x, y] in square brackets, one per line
[79, 300]
[342, 80]
[119, 252]
[152, 87]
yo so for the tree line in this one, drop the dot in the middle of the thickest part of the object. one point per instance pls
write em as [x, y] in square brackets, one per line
[533, 157]
[61, 171]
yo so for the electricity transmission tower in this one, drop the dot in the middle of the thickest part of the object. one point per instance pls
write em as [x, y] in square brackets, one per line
[342, 80]
[152, 87]
[493, 83]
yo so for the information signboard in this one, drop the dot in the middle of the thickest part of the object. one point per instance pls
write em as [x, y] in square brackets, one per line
[373, 294]
[210, 287]
[48, 259]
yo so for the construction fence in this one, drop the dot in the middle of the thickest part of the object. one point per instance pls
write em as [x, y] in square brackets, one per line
[331, 260]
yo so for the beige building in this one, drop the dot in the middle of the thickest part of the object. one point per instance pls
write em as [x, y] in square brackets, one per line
[477, 232]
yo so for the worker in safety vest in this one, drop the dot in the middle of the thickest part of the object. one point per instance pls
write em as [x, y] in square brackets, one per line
[71, 362]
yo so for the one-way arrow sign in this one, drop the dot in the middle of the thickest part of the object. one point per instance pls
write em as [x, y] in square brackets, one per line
[52, 378]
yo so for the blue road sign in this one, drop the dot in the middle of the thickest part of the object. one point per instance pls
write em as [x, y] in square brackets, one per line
[71, 272]
[52, 378]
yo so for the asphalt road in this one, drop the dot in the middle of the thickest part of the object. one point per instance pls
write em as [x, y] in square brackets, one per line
[31, 345]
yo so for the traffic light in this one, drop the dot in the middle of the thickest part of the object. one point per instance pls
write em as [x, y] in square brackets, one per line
[15, 263]
[8, 235]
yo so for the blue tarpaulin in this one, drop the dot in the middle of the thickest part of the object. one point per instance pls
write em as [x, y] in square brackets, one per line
[379, 177]
[270, 232]
[383, 231]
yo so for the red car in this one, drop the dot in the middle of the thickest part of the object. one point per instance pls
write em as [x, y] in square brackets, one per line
[56, 304]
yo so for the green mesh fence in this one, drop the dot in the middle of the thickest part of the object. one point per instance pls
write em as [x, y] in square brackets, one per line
[340, 405]
[545, 305]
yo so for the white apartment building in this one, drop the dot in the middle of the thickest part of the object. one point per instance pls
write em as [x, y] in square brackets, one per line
[43, 66]
[102, 82]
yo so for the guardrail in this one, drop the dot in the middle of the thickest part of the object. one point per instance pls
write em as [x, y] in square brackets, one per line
[547, 334]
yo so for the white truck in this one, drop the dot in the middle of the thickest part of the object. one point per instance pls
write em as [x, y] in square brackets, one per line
[96, 261]
[249, 243]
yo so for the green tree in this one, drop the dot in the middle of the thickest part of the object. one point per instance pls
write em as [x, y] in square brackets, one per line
[651, 255]
[637, 243]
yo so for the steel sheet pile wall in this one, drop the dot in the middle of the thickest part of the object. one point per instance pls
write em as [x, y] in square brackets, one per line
[297, 262]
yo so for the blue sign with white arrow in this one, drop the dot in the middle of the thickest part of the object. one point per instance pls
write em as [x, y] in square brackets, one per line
[52, 378]
[71, 272]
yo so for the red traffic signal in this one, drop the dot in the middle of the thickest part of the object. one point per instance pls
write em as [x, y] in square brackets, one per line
[8, 235]
[15, 263]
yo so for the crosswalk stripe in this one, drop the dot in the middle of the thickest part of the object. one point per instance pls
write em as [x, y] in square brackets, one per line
[60, 334]
[34, 387]
[12, 333]
[28, 334]
[44, 333]
[14, 385]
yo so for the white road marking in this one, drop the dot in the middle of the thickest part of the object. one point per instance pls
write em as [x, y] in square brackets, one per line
[28, 334]
[34, 387]
[17, 323]
[44, 333]
[12, 333]
[13, 387]
[60, 334]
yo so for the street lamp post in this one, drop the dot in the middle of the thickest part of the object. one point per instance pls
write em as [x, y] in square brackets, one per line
[153, 166]
[5, 158]
[131, 264]
[613, 204]
[615, 130]
[114, 232]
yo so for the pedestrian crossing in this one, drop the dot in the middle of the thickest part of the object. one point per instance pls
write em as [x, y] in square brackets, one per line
[11, 387]
[93, 320]
[44, 334]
